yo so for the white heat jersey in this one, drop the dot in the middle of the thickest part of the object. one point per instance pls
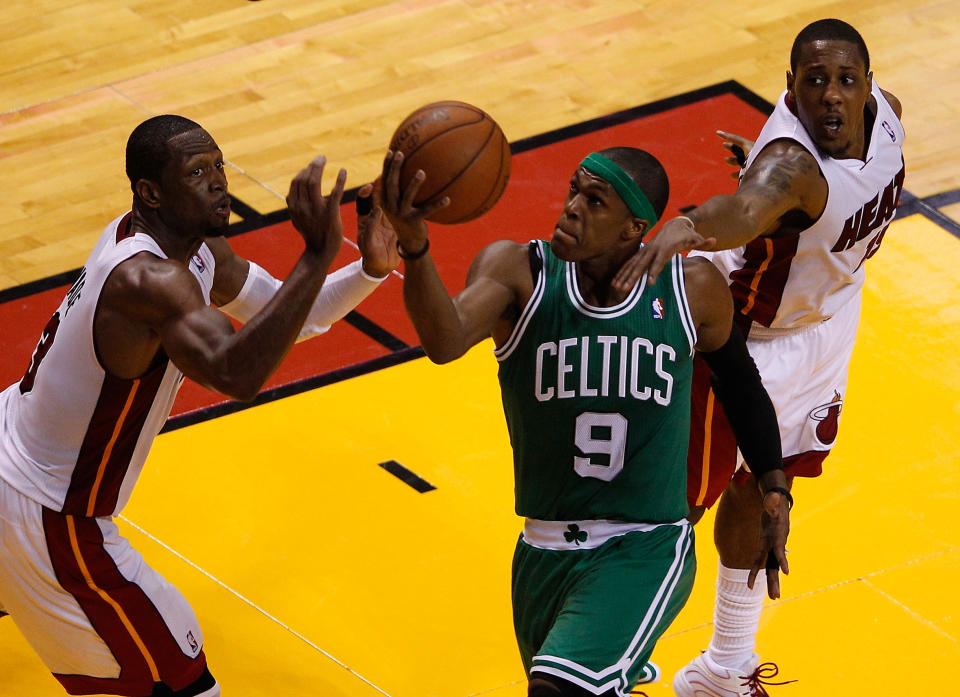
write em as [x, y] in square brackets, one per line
[800, 279]
[72, 437]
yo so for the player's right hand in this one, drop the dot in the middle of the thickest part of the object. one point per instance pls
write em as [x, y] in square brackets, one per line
[408, 220]
[315, 216]
[676, 236]
[735, 143]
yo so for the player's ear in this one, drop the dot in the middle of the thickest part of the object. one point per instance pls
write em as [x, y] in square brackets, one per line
[637, 228]
[790, 98]
[148, 192]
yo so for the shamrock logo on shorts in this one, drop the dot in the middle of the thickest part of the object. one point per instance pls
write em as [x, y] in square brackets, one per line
[575, 534]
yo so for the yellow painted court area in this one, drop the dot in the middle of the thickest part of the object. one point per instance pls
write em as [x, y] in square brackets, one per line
[315, 572]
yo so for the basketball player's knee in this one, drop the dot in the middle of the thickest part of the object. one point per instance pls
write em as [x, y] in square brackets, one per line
[552, 686]
[204, 686]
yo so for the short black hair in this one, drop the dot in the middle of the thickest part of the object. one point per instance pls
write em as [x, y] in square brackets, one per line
[147, 150]
[828, 30]
[646, 171]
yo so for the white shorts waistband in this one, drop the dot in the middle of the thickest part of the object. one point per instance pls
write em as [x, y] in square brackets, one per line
[581, 534]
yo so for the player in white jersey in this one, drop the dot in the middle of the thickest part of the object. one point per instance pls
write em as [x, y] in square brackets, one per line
[75, 430]
[816, 195]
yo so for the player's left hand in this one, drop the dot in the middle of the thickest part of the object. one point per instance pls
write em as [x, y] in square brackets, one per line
[375, 236]
[774, 529]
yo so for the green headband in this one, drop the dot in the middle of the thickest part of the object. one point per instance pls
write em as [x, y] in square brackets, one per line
[632, 195]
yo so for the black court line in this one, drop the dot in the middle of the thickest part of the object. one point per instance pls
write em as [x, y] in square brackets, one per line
[406, 476]
[910, 205]
[242, 209]
[205, 414]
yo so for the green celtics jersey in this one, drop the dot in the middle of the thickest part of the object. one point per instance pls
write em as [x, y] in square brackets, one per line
[597, 399]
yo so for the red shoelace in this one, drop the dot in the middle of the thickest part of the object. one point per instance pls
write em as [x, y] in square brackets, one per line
[760, 677]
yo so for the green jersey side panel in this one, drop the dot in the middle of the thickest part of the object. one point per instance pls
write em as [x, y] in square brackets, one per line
[597, 400]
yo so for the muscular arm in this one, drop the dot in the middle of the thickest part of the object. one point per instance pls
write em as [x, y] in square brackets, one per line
[447, 326]
[737, 382]
[785, 177]
[148, 303]
[748, 408]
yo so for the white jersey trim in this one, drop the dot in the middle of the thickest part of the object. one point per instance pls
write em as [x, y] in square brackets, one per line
[503, 352]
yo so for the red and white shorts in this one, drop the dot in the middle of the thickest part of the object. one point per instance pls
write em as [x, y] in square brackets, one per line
[97, 615]
[804, 371]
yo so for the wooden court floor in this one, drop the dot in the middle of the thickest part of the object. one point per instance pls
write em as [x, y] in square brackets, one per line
[312, 569]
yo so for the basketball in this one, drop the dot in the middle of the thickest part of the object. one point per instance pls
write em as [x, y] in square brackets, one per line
[462, 151]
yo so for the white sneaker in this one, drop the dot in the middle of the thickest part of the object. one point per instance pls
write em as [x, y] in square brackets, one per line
[703, 677]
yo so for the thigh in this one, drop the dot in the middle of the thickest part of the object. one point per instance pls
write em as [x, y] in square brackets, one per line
[100, 618]
[616, 602]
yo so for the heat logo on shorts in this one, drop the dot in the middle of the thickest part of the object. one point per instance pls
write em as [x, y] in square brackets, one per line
[829, 417]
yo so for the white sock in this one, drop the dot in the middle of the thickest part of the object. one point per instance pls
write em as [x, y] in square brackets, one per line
[736, 617]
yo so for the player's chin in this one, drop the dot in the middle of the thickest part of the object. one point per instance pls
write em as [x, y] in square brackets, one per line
[218, 228]
[563, 245]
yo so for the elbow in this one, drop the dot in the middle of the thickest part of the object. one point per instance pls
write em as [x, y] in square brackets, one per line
[240, 388]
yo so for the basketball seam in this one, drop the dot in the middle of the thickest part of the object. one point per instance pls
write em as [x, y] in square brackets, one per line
[452, 180]
[495, 191]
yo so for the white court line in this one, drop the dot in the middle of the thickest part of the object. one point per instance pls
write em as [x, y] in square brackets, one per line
[859, 579]
[254, 606]
[284, 199]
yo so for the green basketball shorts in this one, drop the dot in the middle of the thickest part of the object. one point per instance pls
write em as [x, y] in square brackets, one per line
[592, 615]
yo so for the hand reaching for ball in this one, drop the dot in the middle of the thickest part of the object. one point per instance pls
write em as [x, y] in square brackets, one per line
[408, 220]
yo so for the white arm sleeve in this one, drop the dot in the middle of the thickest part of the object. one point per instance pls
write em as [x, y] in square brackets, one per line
[342, 291]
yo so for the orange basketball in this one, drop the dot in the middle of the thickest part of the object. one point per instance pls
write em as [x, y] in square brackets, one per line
[462, 151]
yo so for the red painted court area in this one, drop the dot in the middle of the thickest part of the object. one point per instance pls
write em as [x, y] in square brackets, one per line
[680, 133]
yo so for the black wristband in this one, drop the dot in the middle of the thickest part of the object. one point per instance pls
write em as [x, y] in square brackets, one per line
[783, 492]
[364, 205]
[404, 254]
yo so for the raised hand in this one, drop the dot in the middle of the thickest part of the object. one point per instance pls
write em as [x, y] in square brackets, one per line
[375, 235]
[315, 216]
[739, 148]
[408, 220]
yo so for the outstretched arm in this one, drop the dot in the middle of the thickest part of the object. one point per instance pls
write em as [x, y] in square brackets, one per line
[748, 408]
[785, 177]
[447, 326]
[148, 303]
[242, 288]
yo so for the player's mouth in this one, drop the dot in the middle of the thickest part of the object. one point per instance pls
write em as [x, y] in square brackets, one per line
[831, 124]
[562, 236]
[223, 207]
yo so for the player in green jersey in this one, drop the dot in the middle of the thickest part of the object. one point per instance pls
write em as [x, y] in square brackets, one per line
[596, 392]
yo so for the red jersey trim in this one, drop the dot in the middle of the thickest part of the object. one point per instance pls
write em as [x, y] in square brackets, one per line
[109, 442]
[758, 286]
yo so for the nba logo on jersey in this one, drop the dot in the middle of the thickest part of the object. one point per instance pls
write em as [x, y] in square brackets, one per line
[657, 306]
[201, 267]
[193, 642]
[889, 130]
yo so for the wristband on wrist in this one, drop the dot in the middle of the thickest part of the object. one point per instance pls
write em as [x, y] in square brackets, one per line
[688, 219]
[783, 492]
[410, 256]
